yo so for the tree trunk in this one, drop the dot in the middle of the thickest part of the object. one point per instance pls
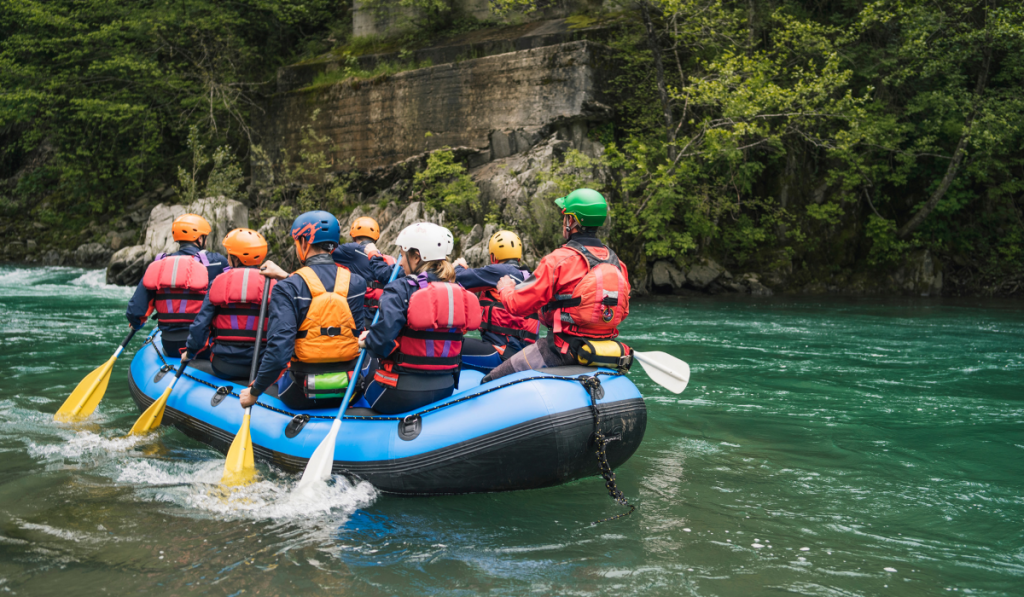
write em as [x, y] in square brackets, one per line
[659, 70]
[958, 156]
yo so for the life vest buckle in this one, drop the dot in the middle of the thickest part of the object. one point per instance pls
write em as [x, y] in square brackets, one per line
[331, 331]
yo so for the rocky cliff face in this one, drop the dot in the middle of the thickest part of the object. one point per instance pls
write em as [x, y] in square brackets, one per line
[386, 120]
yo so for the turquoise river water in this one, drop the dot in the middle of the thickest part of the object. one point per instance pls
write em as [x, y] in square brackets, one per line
[823, 447]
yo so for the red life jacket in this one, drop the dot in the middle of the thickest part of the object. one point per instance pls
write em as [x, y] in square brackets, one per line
[497, 320]
[180, 283]
[439, 315]
[375, 289]
[237, 295]
[598, 303]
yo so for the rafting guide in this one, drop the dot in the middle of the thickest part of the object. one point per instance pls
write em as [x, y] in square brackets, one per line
[426, 409]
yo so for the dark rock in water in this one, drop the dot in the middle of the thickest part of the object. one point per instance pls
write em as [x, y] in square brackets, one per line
[127, 266]
[14, 250]
[703, 274]
[91, 255]
[666, 277]
[753, 285]
[54, 257]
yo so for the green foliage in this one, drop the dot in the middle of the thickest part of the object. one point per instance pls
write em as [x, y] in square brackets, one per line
[98, 96]
[885, 246]
[350, 69]
[225, 178]
[444, 185]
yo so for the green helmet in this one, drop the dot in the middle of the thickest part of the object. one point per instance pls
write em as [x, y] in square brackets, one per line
[587, 205]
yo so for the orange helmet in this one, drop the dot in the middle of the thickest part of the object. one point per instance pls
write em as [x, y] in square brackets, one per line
[189, 227]
[365, 226]
[247, 245]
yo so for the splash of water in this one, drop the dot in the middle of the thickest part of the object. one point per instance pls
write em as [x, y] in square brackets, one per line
[273, 497]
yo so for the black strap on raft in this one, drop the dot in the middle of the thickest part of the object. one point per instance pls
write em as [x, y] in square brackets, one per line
[596, 391]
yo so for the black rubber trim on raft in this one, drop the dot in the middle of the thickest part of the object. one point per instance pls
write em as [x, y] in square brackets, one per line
[542, 452]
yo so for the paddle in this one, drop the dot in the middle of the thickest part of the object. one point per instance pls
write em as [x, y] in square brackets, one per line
[319, 466]
[150, 419]
[665, 370]
[89, 392]
[240, 467]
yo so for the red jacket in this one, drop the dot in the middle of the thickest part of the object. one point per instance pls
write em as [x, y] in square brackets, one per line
[557, 273]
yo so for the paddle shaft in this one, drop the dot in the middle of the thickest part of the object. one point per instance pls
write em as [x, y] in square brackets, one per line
[362, 353]
[259, 337]
[124, 344]
[259, 331]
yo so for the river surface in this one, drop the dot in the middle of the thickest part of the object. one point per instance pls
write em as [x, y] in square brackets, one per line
[823, 447]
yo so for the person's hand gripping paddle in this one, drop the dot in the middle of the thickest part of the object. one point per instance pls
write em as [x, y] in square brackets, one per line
[665, 370]
[319, 466]
[240, 466]
[87, 395]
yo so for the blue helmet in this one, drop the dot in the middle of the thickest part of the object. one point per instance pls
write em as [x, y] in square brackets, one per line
[317, 227]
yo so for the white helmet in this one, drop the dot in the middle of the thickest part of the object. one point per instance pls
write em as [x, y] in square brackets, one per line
[432, 241]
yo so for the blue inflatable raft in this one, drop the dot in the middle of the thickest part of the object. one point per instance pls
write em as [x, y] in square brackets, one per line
[528, 430]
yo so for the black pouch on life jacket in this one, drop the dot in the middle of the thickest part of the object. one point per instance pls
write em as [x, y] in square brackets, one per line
[592, 352]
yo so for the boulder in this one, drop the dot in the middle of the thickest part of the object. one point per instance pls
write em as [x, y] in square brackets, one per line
[666, 277]
[127, 265]
[753, 285]
[30, 247]
[703, 274]
[14, 250]
[91, 255]
[224, 215]
[54, 257]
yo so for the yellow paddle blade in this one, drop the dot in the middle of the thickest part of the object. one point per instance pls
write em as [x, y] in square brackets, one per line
[240, 468]
[150, 419]
[87, 394]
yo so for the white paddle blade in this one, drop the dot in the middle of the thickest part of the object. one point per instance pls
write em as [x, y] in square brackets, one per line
[319, 466]
[665, 370]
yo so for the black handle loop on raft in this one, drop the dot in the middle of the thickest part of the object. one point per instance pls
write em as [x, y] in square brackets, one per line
[409, 427]
[219, 396]
[162, 372]
[295, 425]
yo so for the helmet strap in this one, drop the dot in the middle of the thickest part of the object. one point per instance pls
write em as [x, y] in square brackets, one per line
[300, 252]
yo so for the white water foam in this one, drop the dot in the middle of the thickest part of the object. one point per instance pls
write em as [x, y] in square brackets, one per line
[84, 443]
[272, 497]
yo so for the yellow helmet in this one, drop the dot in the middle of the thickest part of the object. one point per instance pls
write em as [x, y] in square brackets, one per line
[504, 245]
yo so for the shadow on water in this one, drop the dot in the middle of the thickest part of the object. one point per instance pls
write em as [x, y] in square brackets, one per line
[825, 446]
